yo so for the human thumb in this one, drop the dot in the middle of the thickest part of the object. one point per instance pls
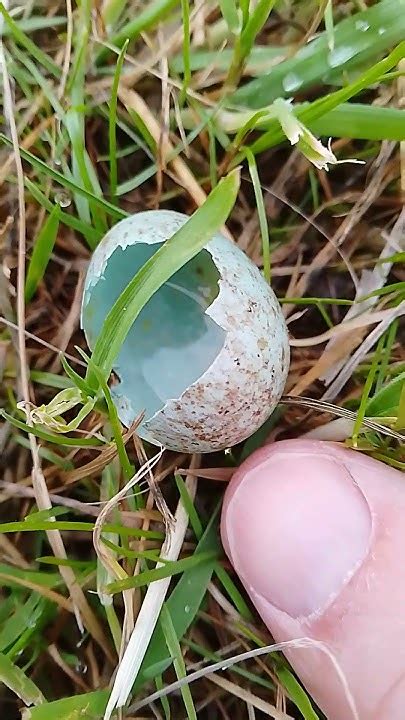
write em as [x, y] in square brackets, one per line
[316, 533]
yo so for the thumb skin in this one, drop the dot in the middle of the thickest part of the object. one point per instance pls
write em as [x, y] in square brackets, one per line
[316, 533]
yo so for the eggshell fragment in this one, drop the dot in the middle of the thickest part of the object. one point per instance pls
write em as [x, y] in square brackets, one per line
[237, 358]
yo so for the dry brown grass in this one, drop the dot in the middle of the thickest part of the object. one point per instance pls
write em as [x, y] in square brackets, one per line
[324, 229]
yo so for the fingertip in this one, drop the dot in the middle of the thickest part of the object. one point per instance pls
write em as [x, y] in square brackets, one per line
[315, 532]
[299, 509]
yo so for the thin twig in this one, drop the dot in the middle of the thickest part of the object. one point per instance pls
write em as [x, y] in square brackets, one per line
[249, 697]
[350, 325]
[323, 406]
[39, 340]
[299, 643]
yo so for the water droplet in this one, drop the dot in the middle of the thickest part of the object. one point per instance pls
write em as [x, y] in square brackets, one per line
[57, 161]
[224, 667]
[81, 668]
[340, 55]
[291, 82]
[62, 199]
[381, 30]
[362, 25]
[187, 609]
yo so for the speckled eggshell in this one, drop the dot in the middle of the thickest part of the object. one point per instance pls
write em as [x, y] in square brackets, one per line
[241, 388]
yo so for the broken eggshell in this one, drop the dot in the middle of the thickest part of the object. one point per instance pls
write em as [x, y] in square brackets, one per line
[207, 358]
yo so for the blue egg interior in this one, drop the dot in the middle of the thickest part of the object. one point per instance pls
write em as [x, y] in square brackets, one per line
[172, 342]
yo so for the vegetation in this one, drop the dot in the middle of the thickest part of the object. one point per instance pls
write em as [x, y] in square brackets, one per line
[225, 113]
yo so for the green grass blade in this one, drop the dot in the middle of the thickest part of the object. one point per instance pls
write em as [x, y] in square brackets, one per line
[126, 466]
[46, 454]
[362, 122]
[48, 437]
[15, 679]
[86, 565]
[245, 40]
[253, 26]
[111, 11]
[232, 591]
[66, 182]
[112, 121]
[134, 182]
[91, 236]
[221, 59]
[212, 154]
[183, 605]
[82, 169]
[32, 24]
[319, 108]
[164, 700]
[168, 570]
[174, 649]
[261, 211]
[35, 525]
[400, 422]
[374, 74]
[39, 80]
[89, 706]
[48, 514]
[349, 120]
[315, 301]
[387, 398]
[189, 507]
[383, 370]
[109, 487]
[54, 512]
[75, 378]
[123, 125]
[394, 289]
[296, 692]
[329, 24]
[143, 20]
[244, 6]
[22, 39]
[42, 252]
[134, 554]
[230, 14]
[314, 62]
[50, 580]
[23, 613]
[170, 257]
[367, 390]
[26, 624]
[220, 572]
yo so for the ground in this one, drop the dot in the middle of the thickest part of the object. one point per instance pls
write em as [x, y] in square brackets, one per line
[114, 107]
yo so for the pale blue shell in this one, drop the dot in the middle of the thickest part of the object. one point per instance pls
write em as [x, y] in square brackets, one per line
[208, 356]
